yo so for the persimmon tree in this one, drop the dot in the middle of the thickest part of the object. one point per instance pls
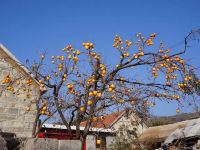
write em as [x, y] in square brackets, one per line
[79, 86]
[17, 81]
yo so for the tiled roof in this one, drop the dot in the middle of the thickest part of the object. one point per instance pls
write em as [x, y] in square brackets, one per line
[107, 120]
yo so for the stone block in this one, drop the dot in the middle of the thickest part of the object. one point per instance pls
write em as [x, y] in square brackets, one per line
[1, 104]
[5, 117]
[13, 129]
[69, 145]
[6, 129]
[6, 123]
[27, 134]
[8, 104]
[29, 117]
[18, 123]
[13, 111]
[28, 125]
[41, 144]
[22, 112]
[18, 129]
[8, 98]
[2, 109]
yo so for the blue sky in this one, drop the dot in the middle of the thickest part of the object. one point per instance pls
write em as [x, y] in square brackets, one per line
[28, 27]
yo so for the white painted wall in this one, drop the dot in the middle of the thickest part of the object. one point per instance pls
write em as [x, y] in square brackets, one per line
[130, 122]
[91, 142]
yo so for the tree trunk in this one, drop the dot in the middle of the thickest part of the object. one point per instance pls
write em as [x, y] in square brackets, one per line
[35, 125]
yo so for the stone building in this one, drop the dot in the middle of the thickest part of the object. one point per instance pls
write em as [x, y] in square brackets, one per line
[13, 116]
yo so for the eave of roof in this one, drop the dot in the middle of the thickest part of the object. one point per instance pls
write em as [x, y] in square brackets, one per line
[53, 126]
[192, 129]
[121, 113]
[161, 132]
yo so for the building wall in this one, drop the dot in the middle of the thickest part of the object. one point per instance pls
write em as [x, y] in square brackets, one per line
[91, 142]
[130, 122]
[13, 117]
[52, 144]
[109, 140]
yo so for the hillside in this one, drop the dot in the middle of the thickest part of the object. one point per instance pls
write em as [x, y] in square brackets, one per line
[163, 120]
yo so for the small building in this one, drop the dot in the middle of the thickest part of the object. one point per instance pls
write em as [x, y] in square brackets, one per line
[104, 130]
[181, 134]
[13, 117]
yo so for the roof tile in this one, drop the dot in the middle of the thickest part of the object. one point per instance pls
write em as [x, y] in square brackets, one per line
[107, 121]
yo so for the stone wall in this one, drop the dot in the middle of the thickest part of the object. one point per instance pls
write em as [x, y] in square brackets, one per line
[52, 144]
[69, 145]
[13, 117]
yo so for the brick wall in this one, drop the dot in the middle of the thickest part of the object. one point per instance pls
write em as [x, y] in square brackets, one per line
[13, 117]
